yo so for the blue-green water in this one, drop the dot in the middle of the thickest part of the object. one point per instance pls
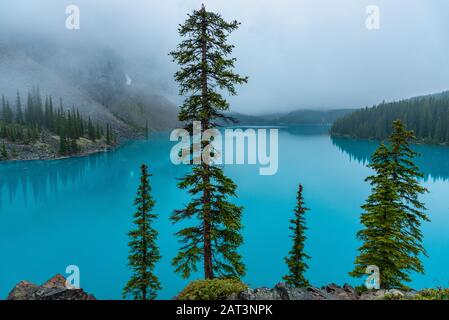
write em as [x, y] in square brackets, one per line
[77, 211]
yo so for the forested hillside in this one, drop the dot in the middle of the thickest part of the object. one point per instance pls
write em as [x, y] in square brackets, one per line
[57, 129]
[93, 80]
[427, 116]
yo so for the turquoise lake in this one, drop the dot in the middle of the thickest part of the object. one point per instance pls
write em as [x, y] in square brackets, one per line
[78, 211]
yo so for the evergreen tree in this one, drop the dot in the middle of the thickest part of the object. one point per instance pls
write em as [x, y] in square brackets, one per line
[206, 70]
[4, 152]
[19, 115]
[108, 135]
[146, 130]
[427, 116]
[144, 252]
[74, 148]
[405, 175]
[91, 130]
[98, 132]
[28, 123]
[7, 113]
[392, 216]
[295, 260]
[63, 144]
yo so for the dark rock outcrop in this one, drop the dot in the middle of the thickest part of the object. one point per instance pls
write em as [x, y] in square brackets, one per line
[330, 292]
[53, 289]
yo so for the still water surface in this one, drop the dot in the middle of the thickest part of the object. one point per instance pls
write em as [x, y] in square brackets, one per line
[78, 211]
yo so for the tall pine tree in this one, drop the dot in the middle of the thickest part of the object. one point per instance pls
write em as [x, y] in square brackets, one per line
[206, 70]
[144, 252]
[295, 260]
[392, 216]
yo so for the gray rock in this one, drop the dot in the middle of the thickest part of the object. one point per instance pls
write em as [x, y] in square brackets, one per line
[373, 295]
[283, 291]
[396, 294]
[53, 289]
[410, 294]
[259, 294]
[341, 293]
[350, 290]
[290, 293]
[22, 291]
[320, 294]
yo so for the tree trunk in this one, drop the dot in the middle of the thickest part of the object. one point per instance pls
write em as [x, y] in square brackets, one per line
[208, 271]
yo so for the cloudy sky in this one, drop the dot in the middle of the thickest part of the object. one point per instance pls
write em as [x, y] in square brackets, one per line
[297, 53]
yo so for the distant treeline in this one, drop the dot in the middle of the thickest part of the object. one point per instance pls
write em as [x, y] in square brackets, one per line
[297, 117]
[305, 117]
[25, 122]
[427, 116]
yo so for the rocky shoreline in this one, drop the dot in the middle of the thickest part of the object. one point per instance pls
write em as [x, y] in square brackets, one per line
[330, 292]
[55, 289]
[48, 147]
[43, 152]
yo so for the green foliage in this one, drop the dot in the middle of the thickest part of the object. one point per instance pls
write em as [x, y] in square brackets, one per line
[4, 152]
[205, 71]
[205, 66]
[359, 290]
[144, 252]
[225, 224]
[28, 122]
[215, 289]
[18, 133]
[295, 260]
[432, 294]
[427, 116]
[426, 294]
[109, 136]
[392, 216]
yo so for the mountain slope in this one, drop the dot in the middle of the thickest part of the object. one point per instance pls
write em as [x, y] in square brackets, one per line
[19, 72]
[141, 108]
[94, 84]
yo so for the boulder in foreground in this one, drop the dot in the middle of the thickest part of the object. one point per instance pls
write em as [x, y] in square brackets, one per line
[53, 289]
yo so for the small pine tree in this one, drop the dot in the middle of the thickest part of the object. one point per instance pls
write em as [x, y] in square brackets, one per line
[147, 130]
[4, 152]
[14, 152]
[63, 145]
[74, 148]
[108, 135]
[144, 252]
[19, 115]
[295, 260]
